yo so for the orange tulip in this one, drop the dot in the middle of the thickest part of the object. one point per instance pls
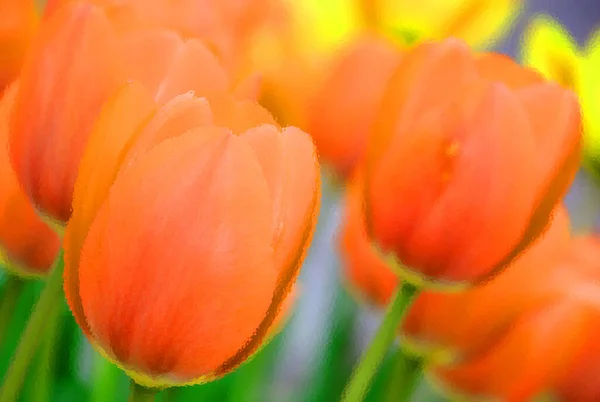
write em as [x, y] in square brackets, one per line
[365, 269]
[186, 237]
[469, 156]
[578, 379]
[226, 25]
[76, 62]
[344, 108]
[500, 339]
[27, 244]
[18, 24]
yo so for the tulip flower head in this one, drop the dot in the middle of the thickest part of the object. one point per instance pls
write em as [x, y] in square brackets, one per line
[27, 245]
[469, 156]
[186, 240]
[475, 341]
[58, 101]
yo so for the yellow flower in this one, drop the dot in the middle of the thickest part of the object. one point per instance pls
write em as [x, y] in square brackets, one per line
[548, 47]
[479, 22]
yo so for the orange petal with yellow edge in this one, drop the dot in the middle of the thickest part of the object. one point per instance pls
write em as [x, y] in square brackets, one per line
[188, 269]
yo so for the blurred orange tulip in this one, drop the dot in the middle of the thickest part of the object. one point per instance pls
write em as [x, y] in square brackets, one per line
[19, 21]
[500, 339]
[76, 62]
[578, 379]
[186, 237]
[366, 271]
[469, 156]
[27, 244]
[343, 111]
[226, 25]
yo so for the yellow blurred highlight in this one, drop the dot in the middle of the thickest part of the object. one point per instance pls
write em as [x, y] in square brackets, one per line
[549, 48]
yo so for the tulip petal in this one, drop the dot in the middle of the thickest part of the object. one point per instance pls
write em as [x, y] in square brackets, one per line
[117, 124]
[70, 71]
[461, 241]
[524, 362]
[289, 162]
[501, 68]
[185, 205]
[238, 115]
[196, 69]
[29, 243]
[178, 116]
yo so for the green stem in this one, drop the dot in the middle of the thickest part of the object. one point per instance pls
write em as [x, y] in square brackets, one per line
[141, 394]
[47, 357]
[31, 337]
[405, 377]
[12, 291]
[106, 376]
[375, 353]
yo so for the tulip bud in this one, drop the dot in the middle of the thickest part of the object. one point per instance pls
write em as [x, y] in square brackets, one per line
[27, 245]
[227, 217]
[344, 108]
[18, 24]
[469, 156]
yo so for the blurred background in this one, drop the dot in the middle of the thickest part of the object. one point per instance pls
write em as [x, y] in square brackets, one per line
[313, 356]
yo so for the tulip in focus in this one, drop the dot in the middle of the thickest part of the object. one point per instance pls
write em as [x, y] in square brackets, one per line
[27, 245]
[469, 156]
[186, 235]
[18, 24]
[549, 48]
[366, 272]
[509, 338]
[76, 62]
[343, 110]
[479, 22]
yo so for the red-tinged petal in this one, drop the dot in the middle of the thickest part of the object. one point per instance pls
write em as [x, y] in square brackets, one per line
[501, 68]
[29, 244]
[188, 270]
[365, 268]
[524, 363]
[487, 311]
[195, 68]
[117, 124]
[70, 71]
[460, 237]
